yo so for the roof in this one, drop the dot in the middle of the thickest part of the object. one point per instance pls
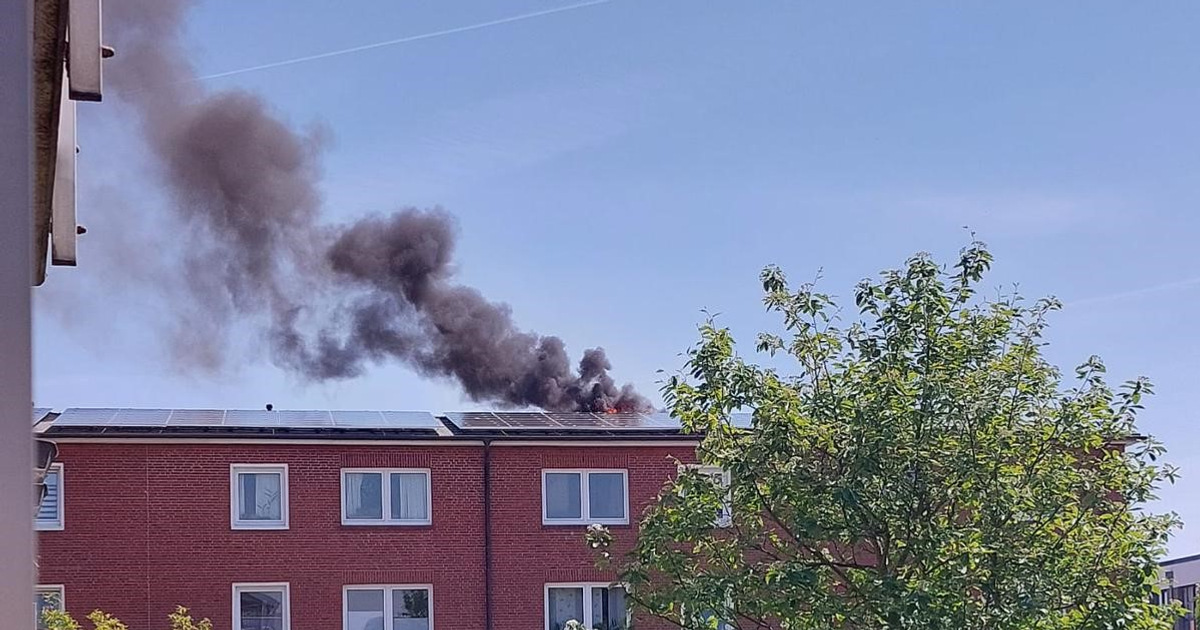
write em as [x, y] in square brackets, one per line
[49, 49]
[371, 425]
[1175, 561]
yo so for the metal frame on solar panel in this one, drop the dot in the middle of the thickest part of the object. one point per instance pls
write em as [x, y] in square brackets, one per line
[40, 413]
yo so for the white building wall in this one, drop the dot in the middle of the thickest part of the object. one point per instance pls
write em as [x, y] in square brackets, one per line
[1185, 571]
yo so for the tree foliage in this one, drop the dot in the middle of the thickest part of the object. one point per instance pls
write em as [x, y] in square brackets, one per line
[62, 620]
[923, 467]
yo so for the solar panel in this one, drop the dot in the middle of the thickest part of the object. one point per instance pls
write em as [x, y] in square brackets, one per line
[385, 420]
[39, 413]
[574, 421]
[85, 417]
[196, 418]
[247, 418]
[577, 420]
[411, 420]
[356, 419]
[526, 419]
[302, 419]
[564, 421]
[252, 418]
[140, 418]
[477, 420]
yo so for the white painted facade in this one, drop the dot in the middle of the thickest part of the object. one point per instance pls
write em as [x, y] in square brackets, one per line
[1180, 571]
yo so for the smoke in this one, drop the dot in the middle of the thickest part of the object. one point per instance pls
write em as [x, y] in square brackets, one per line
[332, 299]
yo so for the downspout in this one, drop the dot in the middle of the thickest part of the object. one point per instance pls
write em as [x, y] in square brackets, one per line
[487, 534]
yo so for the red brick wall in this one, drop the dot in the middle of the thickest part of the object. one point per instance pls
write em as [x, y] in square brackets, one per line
[527, 554]
[147, 528]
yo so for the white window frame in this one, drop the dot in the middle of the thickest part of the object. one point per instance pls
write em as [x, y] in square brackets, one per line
[254, 587]
[57, 589]
[234, 521]
[387, 600]
[60, 522]
[386, 489]
[587, 587]
[725, 518]
[584, 497]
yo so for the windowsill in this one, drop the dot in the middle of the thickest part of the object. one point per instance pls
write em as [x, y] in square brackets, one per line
[387, 523]
[620, 523]
[258, 527]
[48, 528]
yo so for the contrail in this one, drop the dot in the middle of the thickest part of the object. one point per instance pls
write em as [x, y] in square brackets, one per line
[1178, 284]
[403, 40]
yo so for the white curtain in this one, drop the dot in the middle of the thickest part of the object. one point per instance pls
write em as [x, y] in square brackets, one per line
[608, 608]
[364, 495]
[410, 496]
[354, 485]
[261, 496]
[566, 604]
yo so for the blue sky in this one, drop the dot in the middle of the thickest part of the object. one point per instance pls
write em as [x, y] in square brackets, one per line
[619, 167]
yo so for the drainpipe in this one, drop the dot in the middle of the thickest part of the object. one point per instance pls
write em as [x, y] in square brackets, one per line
[487, 534]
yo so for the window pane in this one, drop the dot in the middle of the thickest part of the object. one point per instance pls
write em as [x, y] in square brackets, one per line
[48, 510]
[410, 609]
[563, 496]
[566, 604]
[410, 497]
[260, 496]
[608, 608]
[46, 600]
[261, 610]
[606, 495]
[721, 480]
[364, 610]
[364, 496]
[709, 617]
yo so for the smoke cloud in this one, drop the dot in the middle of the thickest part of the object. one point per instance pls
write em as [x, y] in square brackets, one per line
[333, 299]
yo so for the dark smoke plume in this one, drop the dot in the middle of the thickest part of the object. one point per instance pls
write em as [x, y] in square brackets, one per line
[333, 299]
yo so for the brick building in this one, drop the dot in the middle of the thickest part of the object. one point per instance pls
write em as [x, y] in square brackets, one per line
[326, 520]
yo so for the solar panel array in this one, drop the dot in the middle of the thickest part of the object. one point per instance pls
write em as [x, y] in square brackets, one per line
[242, 418]
[471, 421]
[40, 413]
[556, 421]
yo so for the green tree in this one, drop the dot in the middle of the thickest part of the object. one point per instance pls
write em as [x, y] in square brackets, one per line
[922, 467]
[61, 620]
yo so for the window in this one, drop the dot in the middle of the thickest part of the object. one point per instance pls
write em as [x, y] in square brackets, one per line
[50, 511]
[261, 607]
[258, 496]
[706, 621]
[598, 606]
[1186, 597]
[719, 476]
[47, 598]
[582, 497]
[385, 496]
[405, 608]
[707, 618]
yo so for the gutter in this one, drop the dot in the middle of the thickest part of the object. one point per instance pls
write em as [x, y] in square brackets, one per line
[487, 534]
